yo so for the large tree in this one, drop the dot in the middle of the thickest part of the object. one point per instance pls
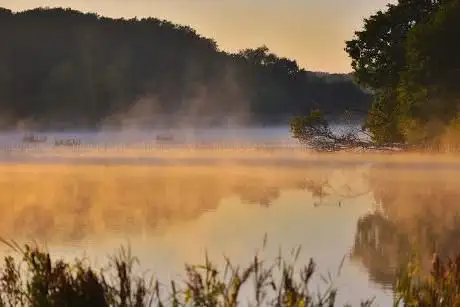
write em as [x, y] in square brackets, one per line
[429, 91]
[378, 56]
[409, 56]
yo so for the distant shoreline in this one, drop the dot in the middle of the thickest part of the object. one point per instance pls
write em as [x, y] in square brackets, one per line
[164, 123]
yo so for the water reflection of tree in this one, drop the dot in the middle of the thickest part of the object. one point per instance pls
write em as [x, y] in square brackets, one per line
[418, 213]
[322, 190]
[75, 203]
[375, 238]
[257, 194]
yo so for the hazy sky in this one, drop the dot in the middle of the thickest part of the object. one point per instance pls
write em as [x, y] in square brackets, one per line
[311, 31]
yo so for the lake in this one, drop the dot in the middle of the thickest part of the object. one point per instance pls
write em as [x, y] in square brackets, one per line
[172, 206]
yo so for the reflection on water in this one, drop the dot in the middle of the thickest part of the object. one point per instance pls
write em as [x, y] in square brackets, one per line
[171, 214]
[69, 203]
[419, 213]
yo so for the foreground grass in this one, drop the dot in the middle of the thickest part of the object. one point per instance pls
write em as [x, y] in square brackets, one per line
[36, 280]
[441, 287]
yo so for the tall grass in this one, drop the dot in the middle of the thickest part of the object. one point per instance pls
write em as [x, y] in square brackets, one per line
[439, 288]
[36, 280]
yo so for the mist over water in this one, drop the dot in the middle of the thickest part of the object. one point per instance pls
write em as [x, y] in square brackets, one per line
[171, 204]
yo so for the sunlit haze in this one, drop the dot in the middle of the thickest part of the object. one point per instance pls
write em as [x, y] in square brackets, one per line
[311, 31]
[234, 179]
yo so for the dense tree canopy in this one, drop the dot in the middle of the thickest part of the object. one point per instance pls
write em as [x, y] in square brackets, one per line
[63, 65]
[379, 57]
[429, 92]
[408, 55]
[378, 51]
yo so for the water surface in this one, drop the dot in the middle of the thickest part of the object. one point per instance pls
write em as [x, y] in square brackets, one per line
[370, 210]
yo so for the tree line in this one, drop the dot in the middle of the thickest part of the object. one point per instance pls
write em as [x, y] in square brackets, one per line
[61, 65]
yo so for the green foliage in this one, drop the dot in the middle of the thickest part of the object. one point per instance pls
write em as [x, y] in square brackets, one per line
[409, 56]
[432, 53]
[63, 65]
[429, 89]
[378, 51]
[307, 127]
[315, 132]
[382, 119]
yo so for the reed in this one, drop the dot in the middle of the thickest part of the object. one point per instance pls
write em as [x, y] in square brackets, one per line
[36, 280]
[440, 287]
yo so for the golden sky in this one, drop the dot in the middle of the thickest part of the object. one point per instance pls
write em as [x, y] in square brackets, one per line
[311, 31]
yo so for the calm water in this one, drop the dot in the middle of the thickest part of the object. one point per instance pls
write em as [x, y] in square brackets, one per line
[373, 213]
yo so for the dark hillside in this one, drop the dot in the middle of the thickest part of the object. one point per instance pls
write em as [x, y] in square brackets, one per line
[60, 65]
